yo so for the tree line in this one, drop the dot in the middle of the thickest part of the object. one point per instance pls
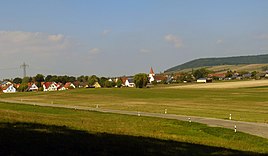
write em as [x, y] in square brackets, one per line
[140, 80]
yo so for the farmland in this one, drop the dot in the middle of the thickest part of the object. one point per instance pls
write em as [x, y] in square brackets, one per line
[246, 104]
[83, 132]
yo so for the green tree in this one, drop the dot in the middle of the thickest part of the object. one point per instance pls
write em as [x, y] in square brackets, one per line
[108, 84]
[103, 81]
[141, 80]
[71, 79]
[185, 77]
[201, 73]
[62, 79]
[82, 78]
[25, 80]
[92, 79]
[119, 83]
[48, 78]
[17, 80]
[23, 87]
[39, 78]
[54, 78]
[229, 73]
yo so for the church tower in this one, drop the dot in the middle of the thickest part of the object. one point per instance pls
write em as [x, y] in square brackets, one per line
[151, 75]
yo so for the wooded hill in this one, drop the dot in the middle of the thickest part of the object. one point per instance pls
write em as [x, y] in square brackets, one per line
[208, 62]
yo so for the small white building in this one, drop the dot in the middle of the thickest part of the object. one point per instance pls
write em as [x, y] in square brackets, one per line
[9, 89]
[130, 82]
[203, 80]
[151, 75]
[50, 86]
[32, 87]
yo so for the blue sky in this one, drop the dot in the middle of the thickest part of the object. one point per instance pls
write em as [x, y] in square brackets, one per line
[119, 37]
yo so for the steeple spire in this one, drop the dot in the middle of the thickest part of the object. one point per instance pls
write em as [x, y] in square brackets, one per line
[151, 71]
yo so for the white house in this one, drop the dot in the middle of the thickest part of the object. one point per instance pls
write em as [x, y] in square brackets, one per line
[69, 85]
[32, 87]
[9, 89]
[130, 82]
[50, 86]
[203, 80]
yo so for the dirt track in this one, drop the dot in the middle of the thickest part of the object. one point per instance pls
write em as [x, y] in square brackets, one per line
[238, 84]
[259, 129]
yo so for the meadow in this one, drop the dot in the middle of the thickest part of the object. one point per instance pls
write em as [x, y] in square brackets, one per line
[245, 104]
[34, 130]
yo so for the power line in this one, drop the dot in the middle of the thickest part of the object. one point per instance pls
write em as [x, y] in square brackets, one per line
[24, 66]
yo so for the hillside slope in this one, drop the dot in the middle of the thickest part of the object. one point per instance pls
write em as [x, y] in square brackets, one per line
[205, 62]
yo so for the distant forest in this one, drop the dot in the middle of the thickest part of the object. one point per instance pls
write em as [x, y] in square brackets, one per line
[204, 62]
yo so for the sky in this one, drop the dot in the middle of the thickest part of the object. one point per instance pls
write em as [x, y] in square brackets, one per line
[125, 37]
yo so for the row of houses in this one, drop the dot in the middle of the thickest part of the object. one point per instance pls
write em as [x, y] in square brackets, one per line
[8, 87]
[127, 81]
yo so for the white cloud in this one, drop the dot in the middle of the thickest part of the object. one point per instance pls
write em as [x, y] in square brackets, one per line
[106, 32]
[176, 41]
[56, 38]
[145, 50]
[95, 50]
[18, 42]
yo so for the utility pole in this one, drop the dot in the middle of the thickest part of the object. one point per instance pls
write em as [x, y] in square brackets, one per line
[24, 66]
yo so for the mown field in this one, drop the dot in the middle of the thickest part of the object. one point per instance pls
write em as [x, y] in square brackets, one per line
[245, 104]
[33, 130]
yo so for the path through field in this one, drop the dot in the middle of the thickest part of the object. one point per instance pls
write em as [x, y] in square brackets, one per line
[258, 129]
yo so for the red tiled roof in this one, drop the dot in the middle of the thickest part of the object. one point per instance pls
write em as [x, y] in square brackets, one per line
[47, 84]
[217, 75]
[160, 77]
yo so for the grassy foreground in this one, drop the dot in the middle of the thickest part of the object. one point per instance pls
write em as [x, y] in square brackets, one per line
[245, 104]
[33, 130]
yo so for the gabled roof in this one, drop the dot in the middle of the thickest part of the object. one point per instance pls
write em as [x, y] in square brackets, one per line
[48, 84]
[68, 84]
[222, 75]
[7, 86]
[160, 77]
[124, 79]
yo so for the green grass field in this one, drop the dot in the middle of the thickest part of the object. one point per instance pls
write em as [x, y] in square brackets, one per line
[33, 130]
[245, 104]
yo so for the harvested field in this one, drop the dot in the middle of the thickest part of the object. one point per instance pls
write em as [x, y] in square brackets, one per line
[237, 84]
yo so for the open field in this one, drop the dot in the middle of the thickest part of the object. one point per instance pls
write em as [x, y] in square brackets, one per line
[227, 85]
[245, 104]
[27, 130]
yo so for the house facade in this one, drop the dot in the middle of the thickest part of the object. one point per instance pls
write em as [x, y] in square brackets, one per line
[50, 86]
[9, 89]
[130, 82]
[69, 85]
[32, 87]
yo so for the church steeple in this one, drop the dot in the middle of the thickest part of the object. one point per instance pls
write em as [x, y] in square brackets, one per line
[151, 71]
[151, 75]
